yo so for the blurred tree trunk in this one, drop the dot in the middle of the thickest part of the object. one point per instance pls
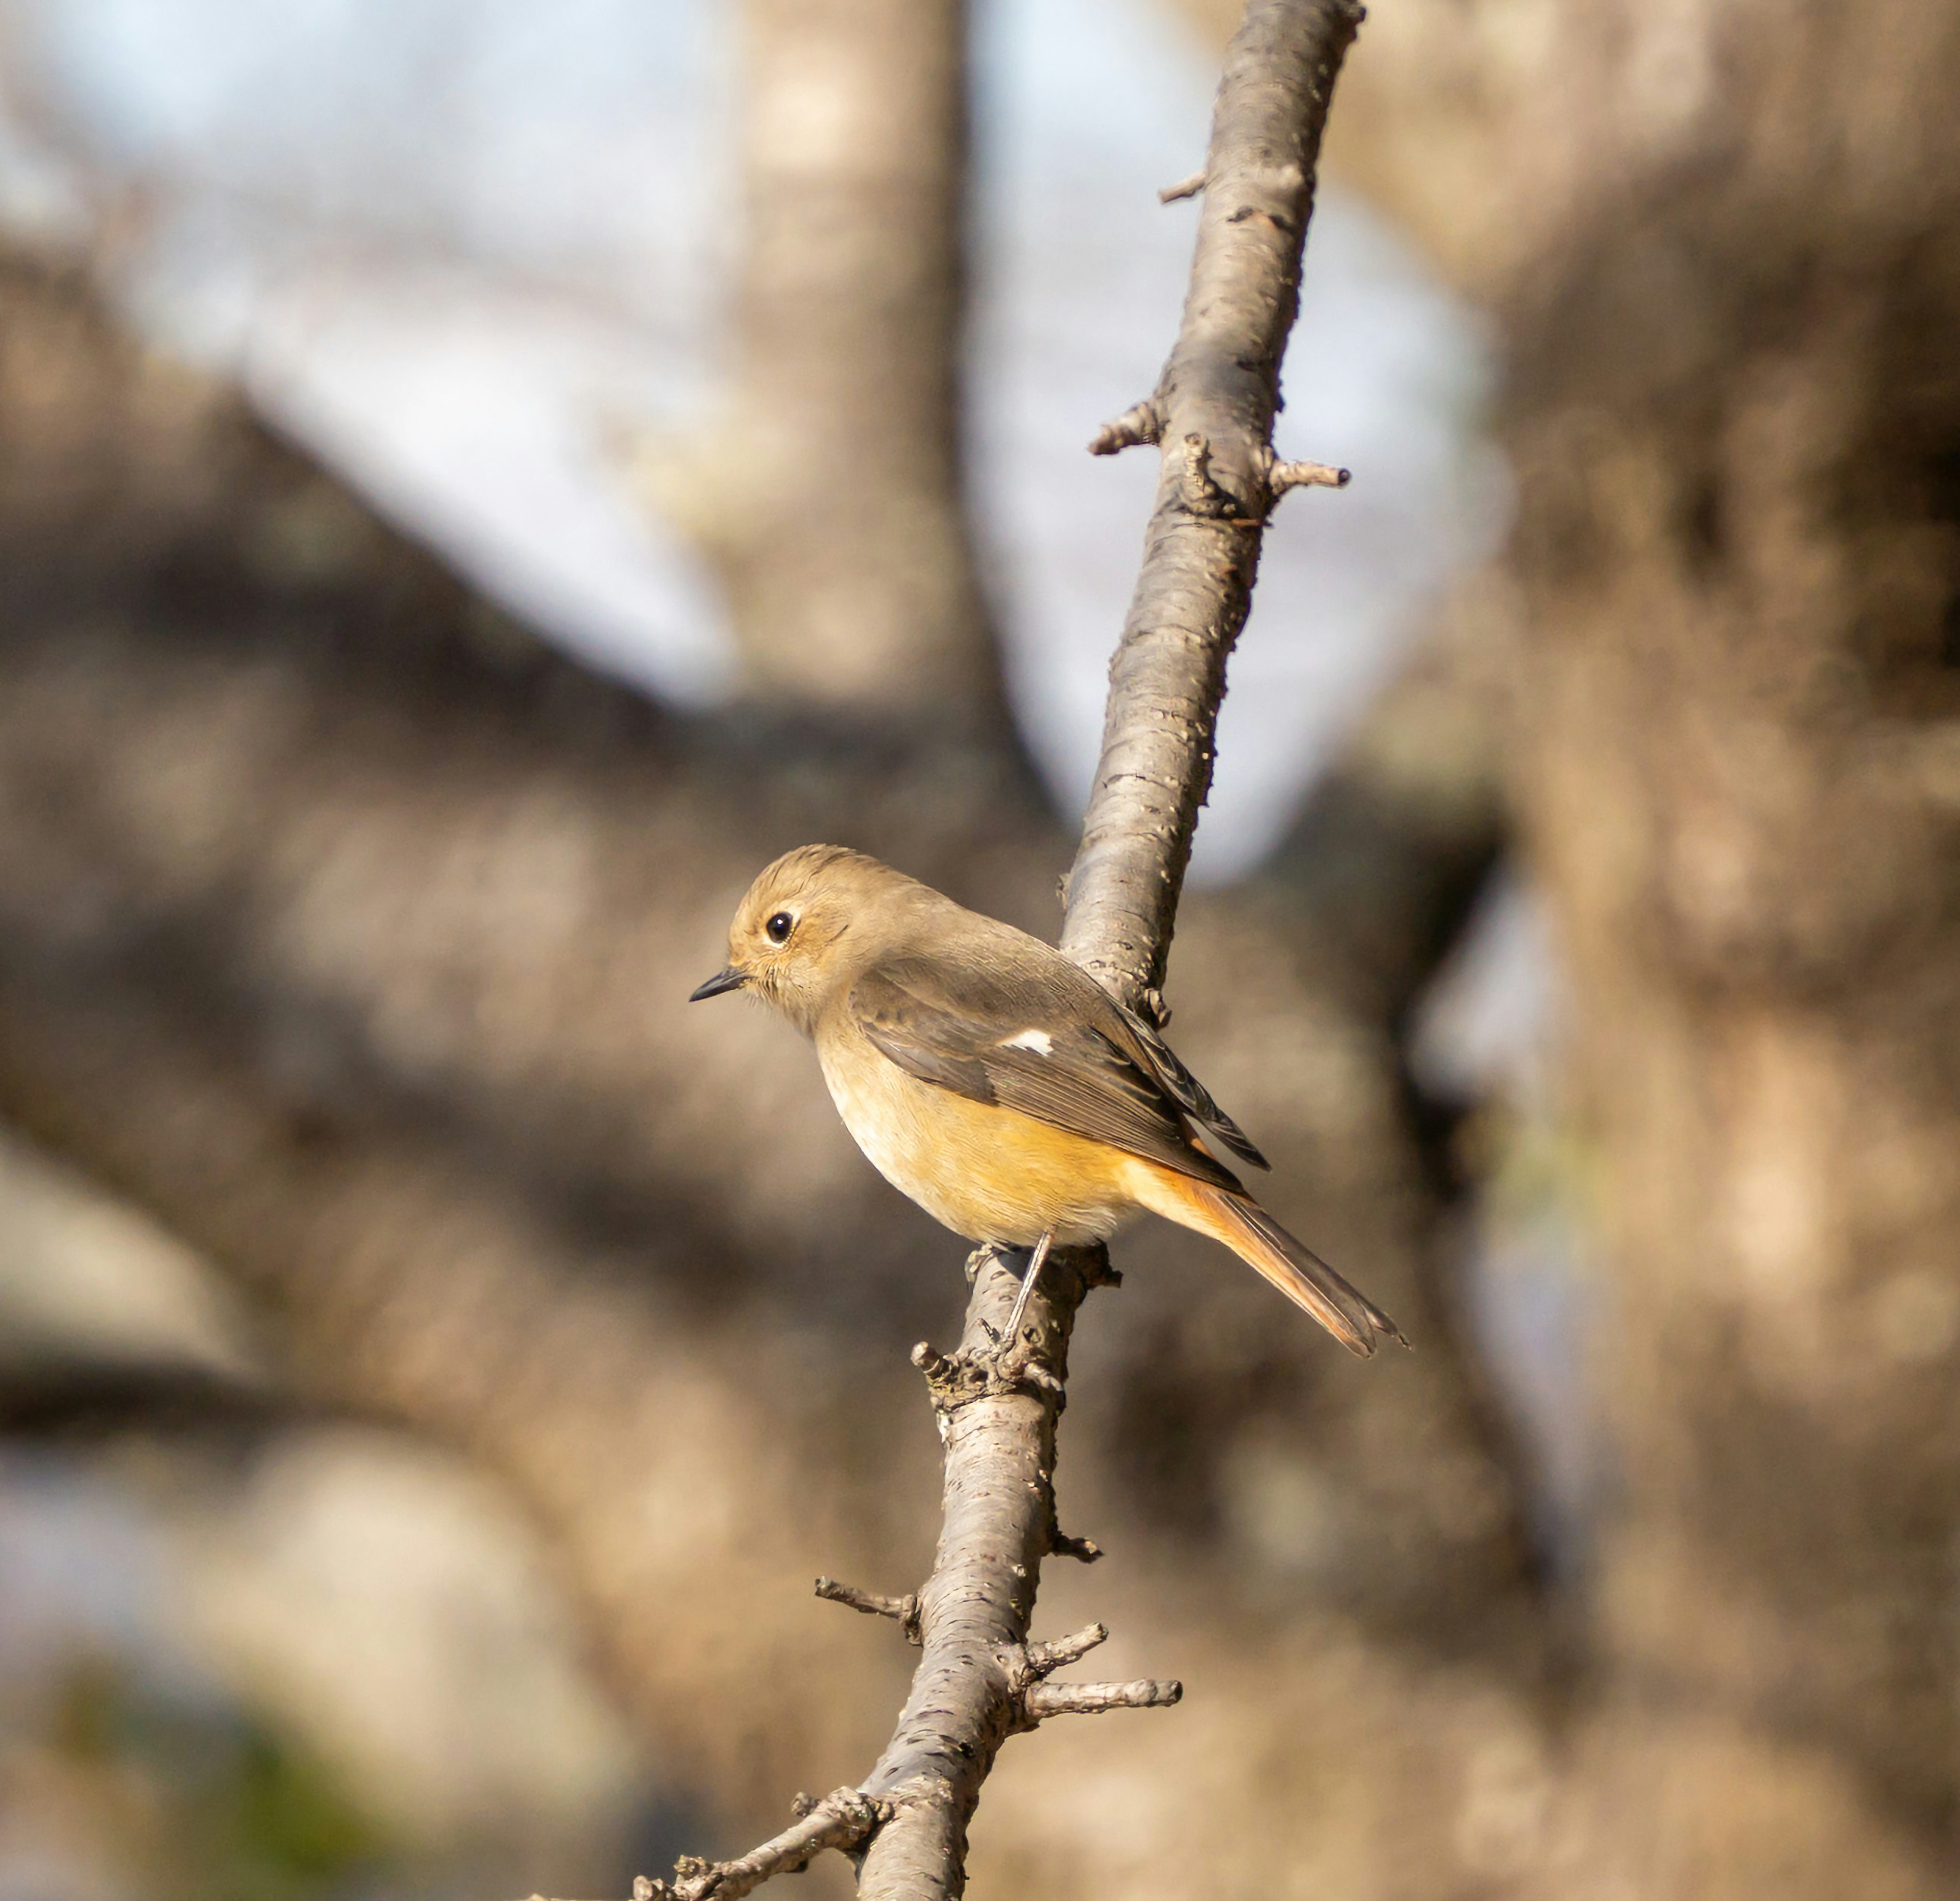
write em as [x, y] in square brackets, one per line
[1724, 242]
[348, 930]
[830, 495]
[1736, 409]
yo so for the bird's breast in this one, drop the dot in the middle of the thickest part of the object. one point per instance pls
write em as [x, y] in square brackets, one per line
[990, 1173]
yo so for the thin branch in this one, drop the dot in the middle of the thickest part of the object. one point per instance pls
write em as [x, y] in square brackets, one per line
[904, 1610]
[979, 1680]
[1305, 475]
[1137, 425]
[1185, 188]
[1083, 1550]
[1044, 1657]
[841, 1820]
[998, 1425]
[1044, 1700]
[1221, 387]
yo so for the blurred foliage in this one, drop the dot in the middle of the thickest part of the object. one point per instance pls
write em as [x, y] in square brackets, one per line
[205, 1801]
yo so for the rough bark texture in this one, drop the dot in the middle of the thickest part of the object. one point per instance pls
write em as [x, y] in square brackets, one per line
[829, 496]
[971, 1690]
[1213, 411]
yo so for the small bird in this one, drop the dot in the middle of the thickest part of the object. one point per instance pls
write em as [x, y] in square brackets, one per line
[999, 1085]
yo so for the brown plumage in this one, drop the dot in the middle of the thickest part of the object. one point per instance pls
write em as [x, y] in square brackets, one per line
[997, 1083]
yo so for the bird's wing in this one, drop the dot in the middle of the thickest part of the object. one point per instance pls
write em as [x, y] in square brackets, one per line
[1027, 1043]
[1186, 1089]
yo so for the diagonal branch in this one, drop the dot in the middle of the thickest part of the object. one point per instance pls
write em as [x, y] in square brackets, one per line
[998, 1404]
[1214, 407]
[841, 1820]
[979, 1680]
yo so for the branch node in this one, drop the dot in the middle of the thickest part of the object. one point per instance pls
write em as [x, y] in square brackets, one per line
[1141, 423]
[957, 1379]
[1185, 188]
[903, 1611]
[971, 1372]
[1200, 493]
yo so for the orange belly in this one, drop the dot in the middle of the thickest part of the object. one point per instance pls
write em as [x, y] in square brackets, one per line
[989, 1173]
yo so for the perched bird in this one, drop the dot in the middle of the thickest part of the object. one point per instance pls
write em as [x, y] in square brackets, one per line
[999, 1085]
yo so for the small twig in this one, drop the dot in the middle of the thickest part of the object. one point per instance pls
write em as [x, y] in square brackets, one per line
[1141, 422]
[1043, 1700]
[1200, 494]
[841, 1820]
[904, 1610]
[1045, 1658]
[1284, 475]
[931, 1361]
[1185, 188]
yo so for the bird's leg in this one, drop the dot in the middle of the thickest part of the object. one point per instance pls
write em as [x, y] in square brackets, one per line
[1028, 1281]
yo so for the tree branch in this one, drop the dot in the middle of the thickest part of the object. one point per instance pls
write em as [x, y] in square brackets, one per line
[1214, 406]
[905, 1611]
[1093, 1699]
[841, 1820]
[998, 1404]
[998, 1401]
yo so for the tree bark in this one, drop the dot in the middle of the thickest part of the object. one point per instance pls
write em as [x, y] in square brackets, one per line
[1213, 411]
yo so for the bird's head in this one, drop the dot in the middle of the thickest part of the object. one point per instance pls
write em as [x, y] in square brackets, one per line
[798, 935]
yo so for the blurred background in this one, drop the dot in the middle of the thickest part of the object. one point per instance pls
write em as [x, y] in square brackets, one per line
[477, 478]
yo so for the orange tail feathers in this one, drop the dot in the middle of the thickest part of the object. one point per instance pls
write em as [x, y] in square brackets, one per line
[1294, 1269]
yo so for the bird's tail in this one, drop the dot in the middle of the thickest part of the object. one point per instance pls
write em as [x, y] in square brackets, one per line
[1293, 1267]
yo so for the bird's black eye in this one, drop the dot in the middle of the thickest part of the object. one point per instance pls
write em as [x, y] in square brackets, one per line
[779, 927]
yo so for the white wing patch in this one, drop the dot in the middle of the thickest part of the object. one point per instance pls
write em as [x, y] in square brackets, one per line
[1040, 1041]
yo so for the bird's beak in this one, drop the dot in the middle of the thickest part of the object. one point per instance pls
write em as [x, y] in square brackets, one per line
[720, 984]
